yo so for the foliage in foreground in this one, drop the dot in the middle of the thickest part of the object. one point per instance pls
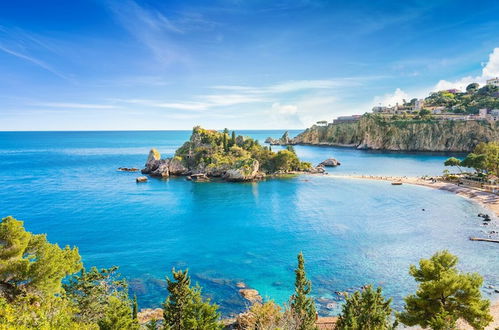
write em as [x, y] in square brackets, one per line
[445, 295]
[184, 307]
[366, 310]
[33, 296]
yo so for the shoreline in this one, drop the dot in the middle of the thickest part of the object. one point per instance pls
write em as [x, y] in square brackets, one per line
[486, 199]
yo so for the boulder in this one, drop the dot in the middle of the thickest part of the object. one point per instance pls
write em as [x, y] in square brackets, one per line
[176, 167]
[162, 169]
[251, 295]
[200, 177]
[141, 179]
[330, 162]
[127, 169]
[244, 171]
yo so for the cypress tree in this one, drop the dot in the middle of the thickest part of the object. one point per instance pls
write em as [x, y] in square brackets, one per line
[135, 307]
[225, 144]
[185, 308]
[302, 305]
[233, 139]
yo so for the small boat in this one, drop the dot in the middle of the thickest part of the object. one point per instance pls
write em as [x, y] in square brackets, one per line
[396, 183]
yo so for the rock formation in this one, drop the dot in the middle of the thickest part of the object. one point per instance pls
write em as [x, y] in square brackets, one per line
[373, 132]
[209, 153]
[330, 162]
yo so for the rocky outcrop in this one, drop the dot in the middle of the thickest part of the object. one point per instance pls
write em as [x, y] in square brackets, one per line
[251, 295]
[243, 172]
[330, 162]
[157, 167]
[372, 132]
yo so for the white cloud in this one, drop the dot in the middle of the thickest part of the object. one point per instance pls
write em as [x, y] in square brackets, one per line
[74, 105]
[490, 70]
[285, 109]
[391, 98]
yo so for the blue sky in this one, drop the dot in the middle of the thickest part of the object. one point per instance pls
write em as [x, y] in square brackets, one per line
[93, 65]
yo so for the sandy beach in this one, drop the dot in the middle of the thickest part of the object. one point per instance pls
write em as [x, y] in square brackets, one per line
[486, 199]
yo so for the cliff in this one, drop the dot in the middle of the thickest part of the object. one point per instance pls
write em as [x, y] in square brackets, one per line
[373, 132]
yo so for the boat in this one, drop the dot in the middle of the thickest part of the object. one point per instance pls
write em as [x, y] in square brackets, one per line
[396, 183]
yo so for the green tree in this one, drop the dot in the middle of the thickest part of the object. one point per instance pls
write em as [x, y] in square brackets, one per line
[29, 264]
[474, 161]
[489, 153]
[135, 307]
[445, 295]
[366, 310]
[232, 139]
[424, 113]
[302, 305]
[90, 292]
[472, 88]
[118, 316]
[452, 161]
[184, 307]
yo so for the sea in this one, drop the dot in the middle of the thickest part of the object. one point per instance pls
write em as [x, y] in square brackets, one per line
[351, 232]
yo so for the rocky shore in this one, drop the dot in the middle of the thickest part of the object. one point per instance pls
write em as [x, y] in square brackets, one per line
[372, 132]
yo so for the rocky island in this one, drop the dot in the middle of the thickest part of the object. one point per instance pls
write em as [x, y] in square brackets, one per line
[210, 153]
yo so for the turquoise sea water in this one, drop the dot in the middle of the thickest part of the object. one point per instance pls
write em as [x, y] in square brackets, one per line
[352, 232]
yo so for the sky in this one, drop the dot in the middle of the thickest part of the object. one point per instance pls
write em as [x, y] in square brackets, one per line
[163, 65]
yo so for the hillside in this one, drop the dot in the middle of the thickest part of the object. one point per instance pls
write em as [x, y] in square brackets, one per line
[379, 133]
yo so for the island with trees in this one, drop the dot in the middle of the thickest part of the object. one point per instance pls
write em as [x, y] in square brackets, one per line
[214, 154]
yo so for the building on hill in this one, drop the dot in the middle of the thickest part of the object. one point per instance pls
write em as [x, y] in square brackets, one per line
[493, 81]
[482, 113]
[347, 119]
[380, 109]
[418, 105]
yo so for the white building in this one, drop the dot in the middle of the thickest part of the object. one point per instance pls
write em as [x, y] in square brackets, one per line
[380, 109]
[418, 105]
[493, 81]
[482, 113]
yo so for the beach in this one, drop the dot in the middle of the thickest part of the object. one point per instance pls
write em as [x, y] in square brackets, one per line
[484, 198]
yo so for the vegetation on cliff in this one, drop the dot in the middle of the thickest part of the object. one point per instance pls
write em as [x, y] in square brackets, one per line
[384, 133]
[469, 102]
[220, 154]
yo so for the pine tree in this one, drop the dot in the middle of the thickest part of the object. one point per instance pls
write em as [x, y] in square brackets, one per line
[135, 307]
[366, 310]
[185, 308]
[29, 264]
[90, 291]
[118, 316]
[302, 305]
[445, 295]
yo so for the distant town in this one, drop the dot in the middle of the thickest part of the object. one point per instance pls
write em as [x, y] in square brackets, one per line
[473, 104]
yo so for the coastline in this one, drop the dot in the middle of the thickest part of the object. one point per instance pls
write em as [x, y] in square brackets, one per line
[488, 200]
